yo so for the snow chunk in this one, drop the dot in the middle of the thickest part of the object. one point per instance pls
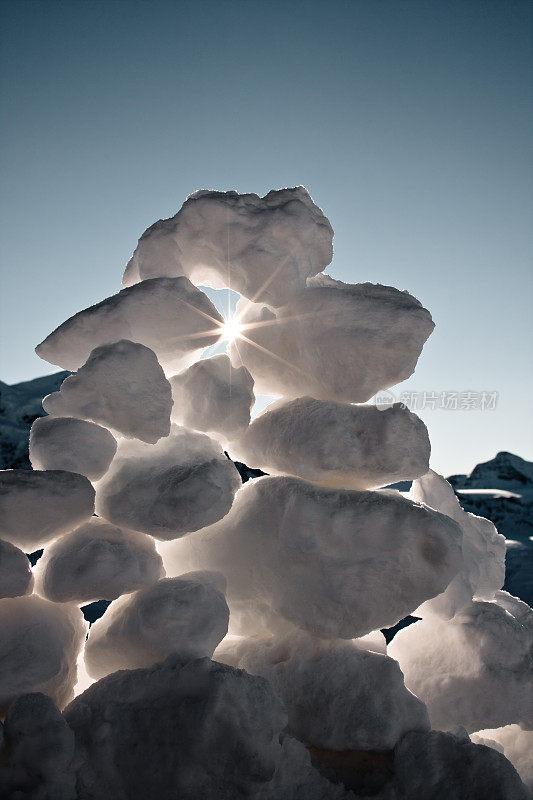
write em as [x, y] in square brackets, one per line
[37, 507]
[181, 484]
[213, 396]
[516, 745]
[73, 445]
[16, 577]
[335, 563]
[473, 670]
[483, 570]
[338, 341]
[98, 561]
[440, 765]
[39, 644]
[187, 616]
[203, 729]
[40, 749]
[338, 696]
[336, 444]
[262, 247]
[169, 315]
[122, 386]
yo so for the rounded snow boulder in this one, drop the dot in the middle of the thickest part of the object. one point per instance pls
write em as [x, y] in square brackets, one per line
[37, 507]
[97, 561]
[336, 444]
[70, 444]
[39, 646]
[181, 484]
[187, 616]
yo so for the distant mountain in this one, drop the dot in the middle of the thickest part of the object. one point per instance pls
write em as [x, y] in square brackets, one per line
[20, 404]
[505, 472]
[500, 489]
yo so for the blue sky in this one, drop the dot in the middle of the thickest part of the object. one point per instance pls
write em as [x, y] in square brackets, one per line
[409, 122]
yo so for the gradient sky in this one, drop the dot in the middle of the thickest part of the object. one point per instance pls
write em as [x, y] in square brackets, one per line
[409, 122]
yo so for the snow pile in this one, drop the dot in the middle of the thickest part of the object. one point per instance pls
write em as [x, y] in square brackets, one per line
[473, 670]
[288, 579]
[515, 743]
[337, 444]
[70, 444]
[199, 729]
[338, 695]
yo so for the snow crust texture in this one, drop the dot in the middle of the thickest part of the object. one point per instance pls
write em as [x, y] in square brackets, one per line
[262, 247]
[73, 445]
[97, 561]
[37, 507]
[181, 484]
[336, 444]
[335, 563]
[187, 616]
[333, 341]
[121, 386]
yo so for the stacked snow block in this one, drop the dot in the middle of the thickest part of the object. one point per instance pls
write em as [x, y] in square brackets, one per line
[240, 655]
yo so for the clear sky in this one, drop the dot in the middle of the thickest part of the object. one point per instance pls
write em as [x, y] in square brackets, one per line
[409, 122]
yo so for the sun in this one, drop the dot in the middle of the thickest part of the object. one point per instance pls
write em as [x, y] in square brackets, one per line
[231, 329]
